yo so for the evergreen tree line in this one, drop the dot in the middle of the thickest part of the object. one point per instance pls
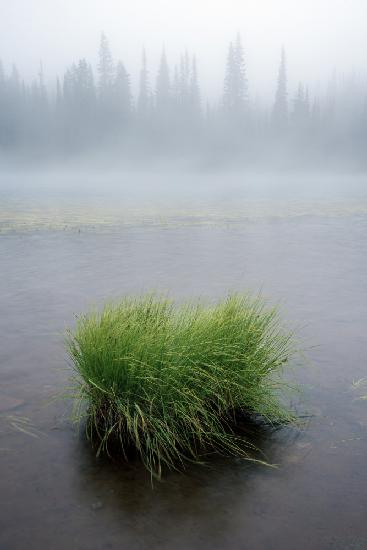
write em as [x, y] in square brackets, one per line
[88, 112]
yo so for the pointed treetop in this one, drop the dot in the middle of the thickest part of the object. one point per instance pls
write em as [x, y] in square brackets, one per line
[280, 109]
[235, 96]
[144, 98]
[163, 83]
[106, 69]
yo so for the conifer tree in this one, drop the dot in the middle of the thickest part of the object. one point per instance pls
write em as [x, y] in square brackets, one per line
[122, 92]
[106, 71]
[41, 83]
[235, 97]
[163, 91]
[175, 90]
[79, 89]
[195, 98]
[85, 83]
[144, 92]
[228, 96]
[184, 82]
[241, 77]
[280, 109]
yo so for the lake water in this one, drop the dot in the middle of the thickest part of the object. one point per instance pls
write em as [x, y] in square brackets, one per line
[78, 241]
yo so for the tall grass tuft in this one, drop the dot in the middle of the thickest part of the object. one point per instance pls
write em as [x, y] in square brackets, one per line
[169, 380]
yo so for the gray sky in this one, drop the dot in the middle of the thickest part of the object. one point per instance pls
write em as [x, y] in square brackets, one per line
[319, 35]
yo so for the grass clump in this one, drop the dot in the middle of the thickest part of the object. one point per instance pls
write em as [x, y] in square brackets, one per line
[168, 381]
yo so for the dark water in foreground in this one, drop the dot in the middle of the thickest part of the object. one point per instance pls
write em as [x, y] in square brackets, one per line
[54, 494]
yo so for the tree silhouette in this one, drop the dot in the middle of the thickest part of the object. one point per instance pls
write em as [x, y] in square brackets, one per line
[106, 71]
[83, 112]
[280, 109]
[195, 97]
[163, 91]
[144, 102]
[122, 91]
[235, 96]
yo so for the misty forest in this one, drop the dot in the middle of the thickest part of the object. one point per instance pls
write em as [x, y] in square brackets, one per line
[91, 111]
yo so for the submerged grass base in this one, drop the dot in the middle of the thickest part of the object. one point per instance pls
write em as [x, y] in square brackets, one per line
[168, 381]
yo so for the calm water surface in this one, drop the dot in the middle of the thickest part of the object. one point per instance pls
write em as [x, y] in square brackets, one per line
[304, 248]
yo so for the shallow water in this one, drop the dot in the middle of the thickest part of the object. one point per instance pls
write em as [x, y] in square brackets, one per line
[305, 247]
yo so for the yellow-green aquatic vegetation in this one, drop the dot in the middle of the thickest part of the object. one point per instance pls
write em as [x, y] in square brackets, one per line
[168, 380]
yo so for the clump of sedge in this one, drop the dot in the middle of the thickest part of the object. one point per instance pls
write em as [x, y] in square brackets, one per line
[170, 380]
